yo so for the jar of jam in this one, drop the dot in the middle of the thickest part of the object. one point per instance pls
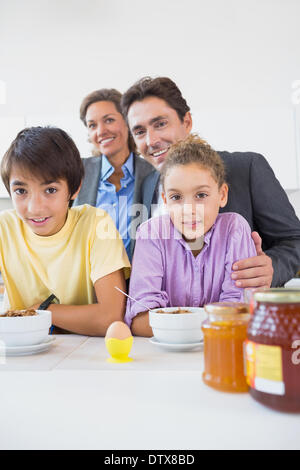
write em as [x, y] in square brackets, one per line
[224, 334]
[273, 349]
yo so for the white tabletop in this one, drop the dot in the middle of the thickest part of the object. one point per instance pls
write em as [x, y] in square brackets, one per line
[158, 401]
[47, 360]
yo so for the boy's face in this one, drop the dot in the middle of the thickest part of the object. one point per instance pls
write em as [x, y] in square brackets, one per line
[155, 126]
[42, 205]
[193, 199]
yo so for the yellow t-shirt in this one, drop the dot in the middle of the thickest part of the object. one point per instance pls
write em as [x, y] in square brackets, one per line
[66, 264]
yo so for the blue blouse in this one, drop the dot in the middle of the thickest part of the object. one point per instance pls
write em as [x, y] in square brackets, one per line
[117, 204]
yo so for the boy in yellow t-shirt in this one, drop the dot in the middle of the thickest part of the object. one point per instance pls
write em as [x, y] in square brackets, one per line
[48, 248]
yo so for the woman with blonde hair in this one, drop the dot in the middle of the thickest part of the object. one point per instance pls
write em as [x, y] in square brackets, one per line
[114, 174]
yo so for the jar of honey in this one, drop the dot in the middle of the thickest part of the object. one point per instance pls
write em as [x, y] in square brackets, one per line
[224, 334]
[273, 349]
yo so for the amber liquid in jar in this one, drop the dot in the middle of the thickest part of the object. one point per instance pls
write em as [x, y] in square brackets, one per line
[274, 335]
[224, 335]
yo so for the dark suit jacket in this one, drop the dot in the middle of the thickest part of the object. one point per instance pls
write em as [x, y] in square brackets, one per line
[89, 188]
[256, 194]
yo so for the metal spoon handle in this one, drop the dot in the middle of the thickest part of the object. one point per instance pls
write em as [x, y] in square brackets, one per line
[144, 306]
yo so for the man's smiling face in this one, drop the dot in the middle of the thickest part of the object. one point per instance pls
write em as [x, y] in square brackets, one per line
[155, 126]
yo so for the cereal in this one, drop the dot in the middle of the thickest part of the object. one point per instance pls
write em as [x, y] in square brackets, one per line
[178, 310]
[19, 313]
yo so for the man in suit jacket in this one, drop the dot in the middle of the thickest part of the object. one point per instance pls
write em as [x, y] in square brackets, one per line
[159, 116]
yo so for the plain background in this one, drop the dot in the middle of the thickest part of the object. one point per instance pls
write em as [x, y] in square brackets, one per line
[236, 63]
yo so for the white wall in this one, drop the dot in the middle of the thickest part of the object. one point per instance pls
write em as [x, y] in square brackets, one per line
[234, 61]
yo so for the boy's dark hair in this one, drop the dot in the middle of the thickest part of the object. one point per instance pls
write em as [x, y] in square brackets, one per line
[160, 87]
[105, 94]
[193, 149]
[45, 152]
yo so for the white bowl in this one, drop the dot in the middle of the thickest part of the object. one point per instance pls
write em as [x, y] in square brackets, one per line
[25, 331]
[177, 328]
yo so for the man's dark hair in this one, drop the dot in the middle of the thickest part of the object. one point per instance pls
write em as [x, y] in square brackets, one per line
[47, 153]
[160, 87]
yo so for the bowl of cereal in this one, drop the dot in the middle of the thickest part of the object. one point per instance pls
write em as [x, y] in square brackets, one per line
[24, 327]
[176, 325]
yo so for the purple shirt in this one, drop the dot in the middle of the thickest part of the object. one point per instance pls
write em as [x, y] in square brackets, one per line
[165, 273]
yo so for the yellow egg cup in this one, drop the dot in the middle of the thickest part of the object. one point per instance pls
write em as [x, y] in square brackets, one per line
[119, 349]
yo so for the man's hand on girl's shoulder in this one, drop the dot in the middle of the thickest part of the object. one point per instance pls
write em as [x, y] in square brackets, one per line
[256, 271]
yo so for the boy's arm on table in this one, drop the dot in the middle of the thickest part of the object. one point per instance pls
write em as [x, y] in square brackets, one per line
[94, 319]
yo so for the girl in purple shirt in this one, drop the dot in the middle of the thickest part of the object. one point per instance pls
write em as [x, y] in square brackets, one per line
[185, 257]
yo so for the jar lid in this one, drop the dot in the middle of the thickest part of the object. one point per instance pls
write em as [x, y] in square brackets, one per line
[227, 308]
[278, 295]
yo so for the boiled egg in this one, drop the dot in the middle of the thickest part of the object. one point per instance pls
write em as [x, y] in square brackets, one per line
[118, 342]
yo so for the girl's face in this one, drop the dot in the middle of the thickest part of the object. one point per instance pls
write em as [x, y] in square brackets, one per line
[107, 130]
[193, 199]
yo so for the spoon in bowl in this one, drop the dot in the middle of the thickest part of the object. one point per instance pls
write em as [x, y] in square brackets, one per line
[144, 306]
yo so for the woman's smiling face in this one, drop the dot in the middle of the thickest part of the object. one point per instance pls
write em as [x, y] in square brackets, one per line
[107, 129]
[193, 199]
